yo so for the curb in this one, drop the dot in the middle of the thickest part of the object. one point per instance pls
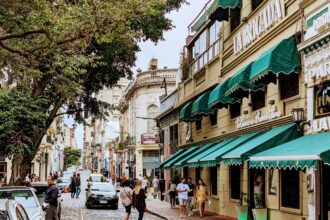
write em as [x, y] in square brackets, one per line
[158, 215]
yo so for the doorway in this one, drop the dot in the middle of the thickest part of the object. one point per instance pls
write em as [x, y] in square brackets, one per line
[256, 189]
[325, 191]
[197, 174]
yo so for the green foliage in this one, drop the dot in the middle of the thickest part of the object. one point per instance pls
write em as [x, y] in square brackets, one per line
[61, 53]
[72, 156]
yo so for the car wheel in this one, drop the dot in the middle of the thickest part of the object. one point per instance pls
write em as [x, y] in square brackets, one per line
[115, 207]
[87, 205]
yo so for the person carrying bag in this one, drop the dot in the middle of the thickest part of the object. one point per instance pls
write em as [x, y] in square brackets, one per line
[126, 197]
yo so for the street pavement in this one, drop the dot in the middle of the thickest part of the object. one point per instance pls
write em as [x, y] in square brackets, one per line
[74, 209]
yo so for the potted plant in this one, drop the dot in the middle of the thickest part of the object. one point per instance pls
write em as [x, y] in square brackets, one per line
[259, 212]
[242, 210]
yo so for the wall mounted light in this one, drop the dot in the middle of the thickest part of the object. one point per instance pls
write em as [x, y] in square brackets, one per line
[298, 115]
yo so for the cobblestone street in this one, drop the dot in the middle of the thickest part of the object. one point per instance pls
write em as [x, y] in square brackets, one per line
[74, 209]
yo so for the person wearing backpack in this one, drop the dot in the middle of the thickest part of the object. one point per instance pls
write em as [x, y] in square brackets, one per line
[126, 198]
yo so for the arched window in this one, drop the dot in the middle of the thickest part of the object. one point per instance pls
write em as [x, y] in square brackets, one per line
[152, 112]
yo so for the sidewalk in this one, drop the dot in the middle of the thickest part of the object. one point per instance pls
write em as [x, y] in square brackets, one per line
[163, 209]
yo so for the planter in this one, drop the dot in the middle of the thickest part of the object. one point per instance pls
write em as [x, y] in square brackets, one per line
[259, 214]
[242, 212]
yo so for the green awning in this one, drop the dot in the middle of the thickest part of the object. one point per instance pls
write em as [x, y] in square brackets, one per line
[200, 23]
[214, 158]
[170, 163]
[219, 9]
[161, 165]
[181, 163]
[218, 98]
[239, 85]
[282, 58]
[303, 152]
[185, 112]
[195, 161]
[200, 106]
[267, 140]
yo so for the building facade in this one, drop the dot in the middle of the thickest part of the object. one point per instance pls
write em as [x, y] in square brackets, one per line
[244, 80]
[139, 107]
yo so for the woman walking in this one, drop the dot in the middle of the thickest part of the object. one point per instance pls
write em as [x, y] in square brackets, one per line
[171, 193]
[201, 196]
[126, 198]
[139, 198]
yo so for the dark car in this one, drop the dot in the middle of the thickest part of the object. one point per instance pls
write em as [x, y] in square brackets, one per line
[12, 210]
[101, 195]
[41, 191]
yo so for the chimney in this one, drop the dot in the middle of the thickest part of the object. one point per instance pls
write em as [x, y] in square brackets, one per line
[153, 64]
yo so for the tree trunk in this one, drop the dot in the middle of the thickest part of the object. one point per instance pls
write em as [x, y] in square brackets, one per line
[15, 169]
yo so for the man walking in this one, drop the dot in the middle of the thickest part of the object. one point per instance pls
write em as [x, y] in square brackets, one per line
[51, 199]
[191, 197]
[182, 189]
[155, 185]
[78, 183]
[145, 184]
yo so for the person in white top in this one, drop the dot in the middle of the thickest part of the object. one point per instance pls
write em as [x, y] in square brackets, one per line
[155, 185]
[182, 189]
[145, 184]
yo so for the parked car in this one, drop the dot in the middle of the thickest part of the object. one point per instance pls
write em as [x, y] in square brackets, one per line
[63, 183]
[26, 197]
[101, 195]
[41, 191]
[67, 174]
[96, 177]
[12, 210]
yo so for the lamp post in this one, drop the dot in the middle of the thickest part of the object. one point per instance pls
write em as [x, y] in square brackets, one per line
[298, 115]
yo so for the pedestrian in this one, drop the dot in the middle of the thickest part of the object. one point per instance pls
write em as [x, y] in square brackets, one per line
[171, 193]
[28, 178]
[51, 199]
[191, 197]
[182, 190]
[145, 184]
[132, 182]
[201, 196]
[155, 185]
[78, 183]
[56, 175]
[73, 185]
[139, 198]
[126, 195]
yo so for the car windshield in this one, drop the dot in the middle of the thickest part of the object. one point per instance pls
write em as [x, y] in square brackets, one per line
[24, 197]
[41, 191]
[95, 178]
[64, 180]
[103, 188]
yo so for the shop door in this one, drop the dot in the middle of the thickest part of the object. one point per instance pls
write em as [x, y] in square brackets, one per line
[197, 174]
[326, 192]
[256, 185]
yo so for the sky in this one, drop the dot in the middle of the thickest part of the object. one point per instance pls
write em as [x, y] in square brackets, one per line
[167, 52]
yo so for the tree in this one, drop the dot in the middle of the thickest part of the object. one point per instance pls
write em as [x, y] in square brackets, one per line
[60, 53]
[72, 156]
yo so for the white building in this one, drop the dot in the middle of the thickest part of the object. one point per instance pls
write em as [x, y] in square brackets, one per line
[139, 108]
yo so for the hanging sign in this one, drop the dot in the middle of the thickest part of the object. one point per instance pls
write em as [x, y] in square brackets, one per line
[271, 14]
[317, 22]
[242, 122]
[319, 125]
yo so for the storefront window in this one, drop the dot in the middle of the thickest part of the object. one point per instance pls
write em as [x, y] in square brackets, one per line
[235, 182]
[290, 189]
[322, 99]
[289, 85]
[214, 180]
[258, 100]
[214, 118]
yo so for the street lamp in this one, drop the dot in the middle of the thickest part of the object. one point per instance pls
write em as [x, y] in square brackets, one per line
[298, 115]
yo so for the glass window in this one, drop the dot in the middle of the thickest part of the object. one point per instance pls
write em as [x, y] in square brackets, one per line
[235, 18]
[24, 197]
[214, 118]
[235, 182]
[256, 3]
[198, 124]
[290, 188]
[235, 110]
[322, 99]
[258, 100]
[289, 85]
[102, 188]
[214, 29]
[214, 180]
[202, 42]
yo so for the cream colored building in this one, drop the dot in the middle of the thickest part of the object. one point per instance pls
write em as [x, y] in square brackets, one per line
[242, 60]
[139, 107]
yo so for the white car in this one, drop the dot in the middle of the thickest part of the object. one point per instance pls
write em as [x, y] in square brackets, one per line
[12, 210]
[27, 198]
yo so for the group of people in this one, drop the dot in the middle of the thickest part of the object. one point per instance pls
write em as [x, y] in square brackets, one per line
[75, 185]
[188, 194]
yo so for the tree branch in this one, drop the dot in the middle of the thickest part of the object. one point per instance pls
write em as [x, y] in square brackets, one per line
[69, 112]
[25, 34]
